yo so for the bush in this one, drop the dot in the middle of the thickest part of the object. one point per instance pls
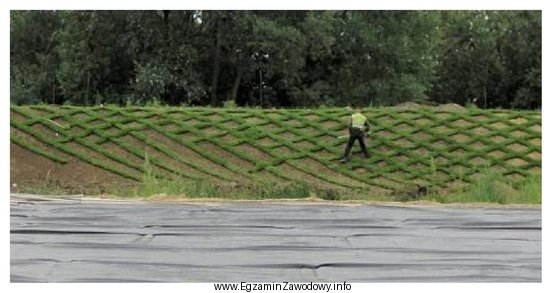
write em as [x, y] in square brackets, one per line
[230, 104]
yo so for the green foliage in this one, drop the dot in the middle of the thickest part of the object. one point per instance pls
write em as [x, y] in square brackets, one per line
[153, 102]
[151, 82]
[388, 56]
[276, 58]
[33, 60]
[491, 59]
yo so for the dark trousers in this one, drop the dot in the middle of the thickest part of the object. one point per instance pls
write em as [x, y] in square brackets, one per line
[354, 134]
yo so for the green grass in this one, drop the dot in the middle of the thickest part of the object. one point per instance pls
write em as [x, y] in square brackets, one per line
[182, 187]
[430, 147]
[495, 188]
[530, 190]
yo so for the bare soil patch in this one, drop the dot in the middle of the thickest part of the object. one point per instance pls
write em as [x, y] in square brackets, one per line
[516, 147]
[31, 140]
[47, 132]
[254, 152]
[267, 141]
[536, 142]
[29, 170]
[17, 116]
[535, 155]
[120, 152]
[303, 145]
[330, 173]
[226, 155]
[283, 150]
[330, 124]
[268, 177]
[536, 128]
[292, 172]
[451, 107]
[288, 135]
[518, 120]
[516, 162]
[408, 105]
[90, 153]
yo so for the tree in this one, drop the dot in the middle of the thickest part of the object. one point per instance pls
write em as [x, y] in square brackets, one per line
[33, 58]
[95, 64]
[491, 59]
[165, 57]
[384, 57]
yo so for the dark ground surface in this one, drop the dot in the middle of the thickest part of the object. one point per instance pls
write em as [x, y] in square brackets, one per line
[91, 241]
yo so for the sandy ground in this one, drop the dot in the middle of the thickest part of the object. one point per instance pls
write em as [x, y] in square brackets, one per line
[71, 239]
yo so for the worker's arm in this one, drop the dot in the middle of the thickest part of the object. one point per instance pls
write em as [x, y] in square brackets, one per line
[367, 126]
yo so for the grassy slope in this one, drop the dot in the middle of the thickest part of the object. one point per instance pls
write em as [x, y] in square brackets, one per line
[248, 147]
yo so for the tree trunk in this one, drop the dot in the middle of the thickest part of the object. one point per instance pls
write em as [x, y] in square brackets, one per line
[216, 66]
[485, 96]
[54, 93]
[261, 87]
[166, 14]
[485, 85]
[236, 84]
[87, 87]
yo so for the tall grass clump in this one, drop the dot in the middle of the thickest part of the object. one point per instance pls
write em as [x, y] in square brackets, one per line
[281, 191]
[177, 185]
[493, 187]
[530, 189]
[150, 183]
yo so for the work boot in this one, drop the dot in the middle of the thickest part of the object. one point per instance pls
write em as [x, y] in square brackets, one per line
[344, 160]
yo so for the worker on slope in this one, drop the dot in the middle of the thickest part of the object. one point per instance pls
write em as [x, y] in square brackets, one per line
[358, 126]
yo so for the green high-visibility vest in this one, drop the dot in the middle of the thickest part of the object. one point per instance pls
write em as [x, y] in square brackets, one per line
[358, 120]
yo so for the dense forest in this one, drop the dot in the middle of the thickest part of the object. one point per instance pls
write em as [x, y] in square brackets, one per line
[490, 59]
